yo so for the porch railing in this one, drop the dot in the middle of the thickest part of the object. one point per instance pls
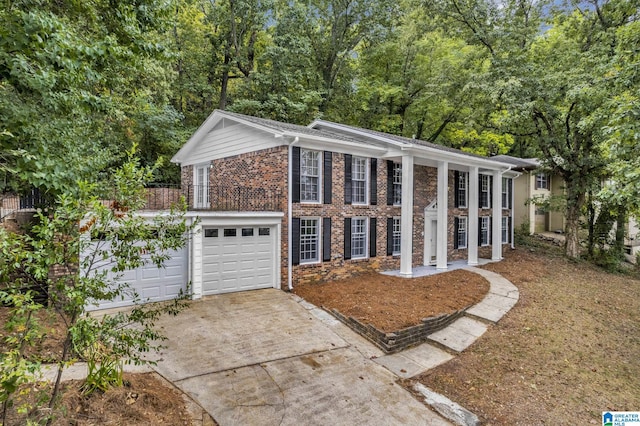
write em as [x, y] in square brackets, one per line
[214, 198]
[11, 203]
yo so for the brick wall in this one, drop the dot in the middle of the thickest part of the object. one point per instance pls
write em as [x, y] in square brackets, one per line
[268, 169]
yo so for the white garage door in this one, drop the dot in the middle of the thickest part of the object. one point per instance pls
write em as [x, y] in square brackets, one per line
[153, 284]
[238, 258]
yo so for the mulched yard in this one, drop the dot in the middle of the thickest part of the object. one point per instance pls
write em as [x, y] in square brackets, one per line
[569, 349]
[393, 303]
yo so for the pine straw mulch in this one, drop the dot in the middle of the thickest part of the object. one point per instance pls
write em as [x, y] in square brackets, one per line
[393, 303]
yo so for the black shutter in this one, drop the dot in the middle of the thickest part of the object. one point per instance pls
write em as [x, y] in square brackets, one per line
[479, 231]
[347, 238]
[327, 176]
[456, 232]
[510, 194]
[373, 184]
[373, 236]
[389, 236]
[295, 241]
[456, 188]
[326, 239]
[389, 183]
[480, 204]
[295, 168]
[347, 179]
[490, 193]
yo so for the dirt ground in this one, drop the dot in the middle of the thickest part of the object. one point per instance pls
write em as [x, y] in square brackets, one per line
[143, 400]
[393, 303]
[566, 352]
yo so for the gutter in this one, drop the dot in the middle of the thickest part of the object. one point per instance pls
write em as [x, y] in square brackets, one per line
[290, 213]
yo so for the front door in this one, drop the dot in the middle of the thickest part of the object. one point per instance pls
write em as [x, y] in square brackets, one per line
[430, 240]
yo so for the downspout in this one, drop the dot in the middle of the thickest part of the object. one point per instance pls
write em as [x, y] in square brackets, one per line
[290, 214]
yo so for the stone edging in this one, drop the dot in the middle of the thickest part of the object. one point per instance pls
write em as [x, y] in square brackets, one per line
[402, 339]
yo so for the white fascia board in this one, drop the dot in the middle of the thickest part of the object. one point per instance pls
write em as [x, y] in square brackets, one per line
[209, 124]
[455, 158]
[237, 218]
[337, 145]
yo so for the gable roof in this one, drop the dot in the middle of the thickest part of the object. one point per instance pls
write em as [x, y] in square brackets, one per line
[330, 133]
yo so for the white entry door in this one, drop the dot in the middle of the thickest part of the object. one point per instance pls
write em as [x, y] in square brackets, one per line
[430, 240]
[238, 258]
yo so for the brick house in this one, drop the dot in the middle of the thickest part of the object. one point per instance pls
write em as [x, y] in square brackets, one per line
[280, 204]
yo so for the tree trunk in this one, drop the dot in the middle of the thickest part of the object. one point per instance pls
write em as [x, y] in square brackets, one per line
[575, 201]
[621, 222]
[592, 225]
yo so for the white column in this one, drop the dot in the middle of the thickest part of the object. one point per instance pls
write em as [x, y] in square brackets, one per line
[472, 225]
[406, 218]
[496, 226]
[443, 207]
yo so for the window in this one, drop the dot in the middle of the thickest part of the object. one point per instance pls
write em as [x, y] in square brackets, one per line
[201, 187]
[247, 232]
[263, 231]
[210, 233]
[485, 192]
[358, 237]
[396, 236]
[230, 232]
[484, 230]
[462, 190]
[309, 236]
[397, 184]
[542, 181]
[309, 176]
[506, 199]
[461, 233]
[505, 229]
[359, 180]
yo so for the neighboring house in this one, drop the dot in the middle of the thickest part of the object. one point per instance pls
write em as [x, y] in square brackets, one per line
[281, 204]
[532, 184]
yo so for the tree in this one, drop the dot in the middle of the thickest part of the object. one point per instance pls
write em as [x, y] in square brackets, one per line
[112, 239]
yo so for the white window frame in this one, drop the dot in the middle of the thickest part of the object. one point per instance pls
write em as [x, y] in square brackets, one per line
[306, 174]
[396, 236]
[543, 181]
[506, 183]
[310, 238]
[463, 229]
[505, 229]
[361, 236]
[201, 186]
[463, 188]
[485, 187]
[396, 185]
[359, 165]
[485, 226]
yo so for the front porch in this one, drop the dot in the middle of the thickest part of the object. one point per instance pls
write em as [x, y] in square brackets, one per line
[424, 271]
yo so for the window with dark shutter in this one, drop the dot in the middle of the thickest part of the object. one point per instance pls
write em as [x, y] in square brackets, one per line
[295, 241]
[347, 179]
[295, 169]
[326, 239]
[456, 226]
[372, 236]
[456, 188]
[327, 177]
[347, 238]
[373, 182]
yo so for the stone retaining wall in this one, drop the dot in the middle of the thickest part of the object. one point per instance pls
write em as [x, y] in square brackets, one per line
[402, 339]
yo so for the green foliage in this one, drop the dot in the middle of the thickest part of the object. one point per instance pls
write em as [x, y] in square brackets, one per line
[90, 243]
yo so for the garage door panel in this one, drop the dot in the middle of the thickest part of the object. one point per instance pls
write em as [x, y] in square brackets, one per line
[243, 262]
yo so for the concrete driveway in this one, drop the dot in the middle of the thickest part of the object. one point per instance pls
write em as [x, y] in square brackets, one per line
[264, 358]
